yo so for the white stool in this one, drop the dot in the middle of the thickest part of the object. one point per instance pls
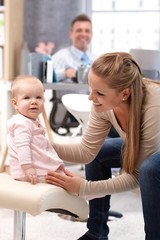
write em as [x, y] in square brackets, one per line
[23, 197]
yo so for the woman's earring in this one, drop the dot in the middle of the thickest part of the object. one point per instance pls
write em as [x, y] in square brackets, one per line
[123, 99]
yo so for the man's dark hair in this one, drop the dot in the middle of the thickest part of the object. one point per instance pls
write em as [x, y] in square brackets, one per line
[81, 18]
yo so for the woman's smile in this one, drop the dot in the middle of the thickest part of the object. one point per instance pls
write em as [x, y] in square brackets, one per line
[97, 104]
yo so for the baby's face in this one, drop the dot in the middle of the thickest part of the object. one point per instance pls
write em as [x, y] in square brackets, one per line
[29, 99]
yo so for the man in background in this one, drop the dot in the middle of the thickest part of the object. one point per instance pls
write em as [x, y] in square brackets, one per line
[67, 60]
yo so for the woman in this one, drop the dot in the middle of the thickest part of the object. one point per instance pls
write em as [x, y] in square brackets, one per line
[122, 99]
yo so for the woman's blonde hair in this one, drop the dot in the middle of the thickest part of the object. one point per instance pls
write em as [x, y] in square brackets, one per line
[120, 71]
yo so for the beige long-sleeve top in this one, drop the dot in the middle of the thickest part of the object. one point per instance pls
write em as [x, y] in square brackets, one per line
[96, 132]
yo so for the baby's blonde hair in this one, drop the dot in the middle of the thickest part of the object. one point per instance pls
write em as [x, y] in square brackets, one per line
[22, 78]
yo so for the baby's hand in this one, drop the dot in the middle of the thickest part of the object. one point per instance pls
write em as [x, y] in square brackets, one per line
[32, 175]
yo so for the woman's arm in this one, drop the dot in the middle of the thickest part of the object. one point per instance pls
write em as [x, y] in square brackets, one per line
[77, 185]
[93, 138]
[22, 138]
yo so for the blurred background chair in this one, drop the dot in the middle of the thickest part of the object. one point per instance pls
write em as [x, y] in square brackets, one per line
[60, 118]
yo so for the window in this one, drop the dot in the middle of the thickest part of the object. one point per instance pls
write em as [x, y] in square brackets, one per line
[119, 25]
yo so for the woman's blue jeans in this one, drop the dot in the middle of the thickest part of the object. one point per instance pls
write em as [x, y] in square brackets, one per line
[149, 180]
[100, 169]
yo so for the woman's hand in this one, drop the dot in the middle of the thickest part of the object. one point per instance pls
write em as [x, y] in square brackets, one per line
[68, 181]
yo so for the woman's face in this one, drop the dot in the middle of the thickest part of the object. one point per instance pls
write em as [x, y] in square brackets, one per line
[103, 97]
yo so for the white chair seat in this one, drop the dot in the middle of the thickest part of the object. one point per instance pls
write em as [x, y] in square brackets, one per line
[78, 105]
[35, 199]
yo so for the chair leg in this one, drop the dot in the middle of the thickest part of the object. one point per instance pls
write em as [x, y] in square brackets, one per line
[19, 225]
[115, 214]
[77, 130]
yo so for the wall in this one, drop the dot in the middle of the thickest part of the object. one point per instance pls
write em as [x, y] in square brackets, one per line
[49, 20]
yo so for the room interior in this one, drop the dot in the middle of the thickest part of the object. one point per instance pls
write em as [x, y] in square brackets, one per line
[37, 22]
